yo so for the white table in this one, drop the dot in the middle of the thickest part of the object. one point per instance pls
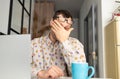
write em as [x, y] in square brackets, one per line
[71, 78]
[91, 78]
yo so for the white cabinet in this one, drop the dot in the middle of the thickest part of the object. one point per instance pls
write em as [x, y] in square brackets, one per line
[112, 36]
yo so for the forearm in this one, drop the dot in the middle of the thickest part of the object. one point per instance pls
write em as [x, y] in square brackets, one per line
[73, 51]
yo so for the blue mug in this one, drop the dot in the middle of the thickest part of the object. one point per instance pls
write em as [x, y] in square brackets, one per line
[80, 70]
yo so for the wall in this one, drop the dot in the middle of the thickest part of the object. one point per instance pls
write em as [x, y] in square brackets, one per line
[4, 15]
[108, 7]
[75, 25]
[105, 9]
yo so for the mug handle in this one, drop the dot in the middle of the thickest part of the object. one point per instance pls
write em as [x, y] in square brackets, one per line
[92, 73]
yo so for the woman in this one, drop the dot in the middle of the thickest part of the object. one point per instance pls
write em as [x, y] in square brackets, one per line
[54, 51]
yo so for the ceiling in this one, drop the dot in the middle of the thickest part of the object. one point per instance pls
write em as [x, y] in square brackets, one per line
[72, 5]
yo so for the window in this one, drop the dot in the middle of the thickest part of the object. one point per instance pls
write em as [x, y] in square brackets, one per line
[19, 17]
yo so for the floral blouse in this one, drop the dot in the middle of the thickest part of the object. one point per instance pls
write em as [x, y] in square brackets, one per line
[45, 54]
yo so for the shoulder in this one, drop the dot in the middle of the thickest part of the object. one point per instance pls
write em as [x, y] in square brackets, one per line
[36, 41]
[72, 39]
[75, 41]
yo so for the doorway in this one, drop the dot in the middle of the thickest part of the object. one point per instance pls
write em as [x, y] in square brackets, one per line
[90, 38]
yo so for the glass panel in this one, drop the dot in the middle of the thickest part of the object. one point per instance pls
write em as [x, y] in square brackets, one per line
[27, 4]
[13, 33]
[21, 1]
[26, 23]
[16, 16]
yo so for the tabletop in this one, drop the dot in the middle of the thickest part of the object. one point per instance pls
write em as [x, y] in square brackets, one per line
[91, 78]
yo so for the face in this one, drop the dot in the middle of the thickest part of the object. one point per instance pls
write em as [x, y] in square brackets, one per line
[66, 22]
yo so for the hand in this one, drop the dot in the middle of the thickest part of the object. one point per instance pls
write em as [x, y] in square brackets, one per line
[52, 72]
[60, 32]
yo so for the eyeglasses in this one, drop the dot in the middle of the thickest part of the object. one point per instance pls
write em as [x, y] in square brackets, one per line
[62, 19]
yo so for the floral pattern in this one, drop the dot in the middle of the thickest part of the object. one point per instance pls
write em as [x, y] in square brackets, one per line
[45, 54]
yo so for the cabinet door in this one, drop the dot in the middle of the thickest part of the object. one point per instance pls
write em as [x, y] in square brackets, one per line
[118, 64]
[118, 31]
[111, 53]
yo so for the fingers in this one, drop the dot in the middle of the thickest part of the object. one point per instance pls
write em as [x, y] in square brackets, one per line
[53, 30]
[71, 29]
[58, 70]
[55, 72]
[43, 74]
[56, 25]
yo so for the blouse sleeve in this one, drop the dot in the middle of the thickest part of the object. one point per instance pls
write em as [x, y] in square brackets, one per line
[72, 51]
[36, 60]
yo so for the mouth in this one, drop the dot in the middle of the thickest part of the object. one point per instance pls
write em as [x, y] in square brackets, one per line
[67, 28]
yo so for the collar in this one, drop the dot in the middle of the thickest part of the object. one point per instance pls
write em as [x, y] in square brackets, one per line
[48, 41]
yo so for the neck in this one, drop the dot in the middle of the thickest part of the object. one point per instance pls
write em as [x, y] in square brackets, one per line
[52, 37]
